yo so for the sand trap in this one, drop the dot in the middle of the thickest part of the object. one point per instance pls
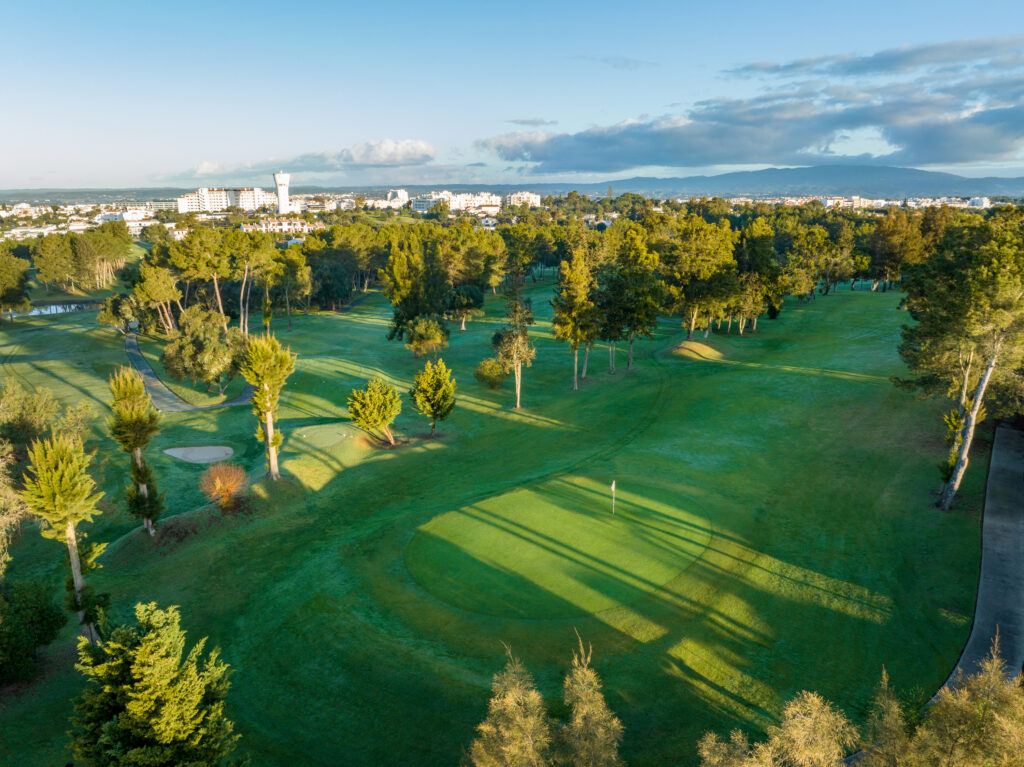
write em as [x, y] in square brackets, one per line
[203, 454]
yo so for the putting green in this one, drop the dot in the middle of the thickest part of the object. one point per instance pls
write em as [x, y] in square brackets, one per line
[555, 550]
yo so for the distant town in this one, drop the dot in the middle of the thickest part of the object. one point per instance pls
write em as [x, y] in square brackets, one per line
[276, 211]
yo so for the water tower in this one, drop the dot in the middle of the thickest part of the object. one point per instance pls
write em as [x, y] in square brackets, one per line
[281, 179]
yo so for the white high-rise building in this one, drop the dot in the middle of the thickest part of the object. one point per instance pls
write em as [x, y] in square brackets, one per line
[281, 179]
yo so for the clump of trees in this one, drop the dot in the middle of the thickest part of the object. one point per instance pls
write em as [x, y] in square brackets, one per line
[29, 619]
[967, 342]
[375, 408]
[203, 349]
[82, 262]
[148, 702]
[976, 720]
[519, 731]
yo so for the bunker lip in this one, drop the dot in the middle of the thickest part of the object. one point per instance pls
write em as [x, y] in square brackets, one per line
[201, 453]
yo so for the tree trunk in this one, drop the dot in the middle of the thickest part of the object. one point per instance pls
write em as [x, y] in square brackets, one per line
[88, 630]
[288, 309]
[463, 322]
[707, 330]
[268, 433]
[753, 323]
[728, 328]
[241, 300]
[389, 435]
[220, 305]
[967, 435]
[740, 323]
[586, 360]
[611, 357]
[693, 326]
[575, 366]
[630, 365]
[519, 382]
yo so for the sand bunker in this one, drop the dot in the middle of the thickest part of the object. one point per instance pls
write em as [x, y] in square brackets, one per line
[203, 454]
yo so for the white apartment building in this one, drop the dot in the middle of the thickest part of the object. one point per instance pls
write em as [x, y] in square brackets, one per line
[517, 199]
[283, 226]
[395, 198]
[205, 200]
[424, 202]
[480, 203]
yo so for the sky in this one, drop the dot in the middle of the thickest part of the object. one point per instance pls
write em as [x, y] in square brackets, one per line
[188, 94]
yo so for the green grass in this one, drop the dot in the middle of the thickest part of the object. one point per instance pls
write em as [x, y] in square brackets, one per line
[192, 392]
[774, 532]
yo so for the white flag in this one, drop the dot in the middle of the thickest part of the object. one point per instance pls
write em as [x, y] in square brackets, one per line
[613, 485]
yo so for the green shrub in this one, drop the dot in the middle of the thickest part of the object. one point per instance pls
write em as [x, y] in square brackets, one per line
[491, 373]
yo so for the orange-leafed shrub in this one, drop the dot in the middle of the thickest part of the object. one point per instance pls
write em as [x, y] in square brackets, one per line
[223, 484]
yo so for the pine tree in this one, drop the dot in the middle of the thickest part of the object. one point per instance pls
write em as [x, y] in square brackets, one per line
[147, 702]
[517, 731]
[575, 319]
[640, 292]
[592, 735]
[375, 407]
[60, 491]
[267, 366]
[134, 424]
[886, 742]
[433, 392]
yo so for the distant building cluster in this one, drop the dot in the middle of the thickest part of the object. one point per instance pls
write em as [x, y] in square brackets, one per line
[480, 203]
[518, 199]
[394, 199]
[283, 226]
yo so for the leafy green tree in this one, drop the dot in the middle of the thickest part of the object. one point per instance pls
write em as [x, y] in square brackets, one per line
[575, 319]
[517, 730]
[491, 372]
[133, 425]
[468, 302]
[13, 282]
[267, 366]
[295, 278]
[375, 407]
[640, 299]
[513, 345]
[204, 350]
[426, 335]
[156, 233]
[433, 392]
[157, 288]
[592, 735]
[29, 619]
[895, 243]
[59, 490]
[331, 285]
[697, 264]
[610, 301]
[119, 311]
[147, 702]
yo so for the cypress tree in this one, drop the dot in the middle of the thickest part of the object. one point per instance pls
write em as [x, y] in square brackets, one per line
[147, 702]
[517, 731]
[134, 424]
[375, 407]
[592, 735]
[267, 366]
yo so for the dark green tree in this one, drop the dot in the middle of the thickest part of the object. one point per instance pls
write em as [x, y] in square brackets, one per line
[147, 702]
[133, 425]
[29, 619]
[575, 319]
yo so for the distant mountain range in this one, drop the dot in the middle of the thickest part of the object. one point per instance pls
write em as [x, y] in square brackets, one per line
[821, 180]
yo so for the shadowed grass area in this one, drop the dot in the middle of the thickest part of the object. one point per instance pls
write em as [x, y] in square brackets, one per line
[774, 533]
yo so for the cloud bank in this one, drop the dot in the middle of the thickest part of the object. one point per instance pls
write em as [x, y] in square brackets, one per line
[944, 104]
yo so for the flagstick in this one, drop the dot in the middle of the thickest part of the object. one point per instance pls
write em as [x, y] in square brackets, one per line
[613, 496]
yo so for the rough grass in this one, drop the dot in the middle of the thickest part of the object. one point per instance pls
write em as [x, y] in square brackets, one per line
[775, 532]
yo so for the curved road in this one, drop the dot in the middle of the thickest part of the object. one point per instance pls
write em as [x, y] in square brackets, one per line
[163, 398]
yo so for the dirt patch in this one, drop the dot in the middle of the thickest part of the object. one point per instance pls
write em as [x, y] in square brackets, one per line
[201, 454]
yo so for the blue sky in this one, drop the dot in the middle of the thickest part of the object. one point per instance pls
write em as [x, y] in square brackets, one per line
[187, 94]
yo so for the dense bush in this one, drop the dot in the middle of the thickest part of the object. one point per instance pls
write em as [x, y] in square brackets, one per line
[29, 618]
[223, 484]
[491, 373]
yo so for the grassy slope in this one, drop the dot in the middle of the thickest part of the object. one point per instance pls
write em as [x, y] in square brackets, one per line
[800, 478]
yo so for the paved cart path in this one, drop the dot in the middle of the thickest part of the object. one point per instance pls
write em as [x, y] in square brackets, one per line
[163, 398]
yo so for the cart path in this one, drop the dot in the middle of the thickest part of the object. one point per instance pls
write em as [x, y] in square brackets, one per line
[163, 398]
